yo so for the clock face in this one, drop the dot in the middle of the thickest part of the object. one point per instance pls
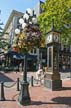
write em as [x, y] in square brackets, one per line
[52, 38]
[49, 38]
[56, 38]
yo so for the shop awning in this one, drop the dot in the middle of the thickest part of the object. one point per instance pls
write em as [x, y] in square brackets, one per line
[15, 55]
[19, 56]
[31, 57]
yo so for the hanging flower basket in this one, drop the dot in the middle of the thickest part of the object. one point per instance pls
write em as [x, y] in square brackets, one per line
[33, 35]
[29, 38]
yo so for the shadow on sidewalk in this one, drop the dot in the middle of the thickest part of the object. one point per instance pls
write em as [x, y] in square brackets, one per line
[63, 89]
[4, 78]
[55, 101]
[8, 100]
[38, 102]
[62, 100]
[66, 88]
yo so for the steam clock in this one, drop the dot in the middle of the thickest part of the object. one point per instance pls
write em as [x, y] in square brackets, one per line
[52, 76]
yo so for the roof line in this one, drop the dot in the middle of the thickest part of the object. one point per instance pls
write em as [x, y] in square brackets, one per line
[14, 12]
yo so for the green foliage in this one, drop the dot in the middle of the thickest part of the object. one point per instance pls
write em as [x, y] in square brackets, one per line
[3, 42]
[59, 11]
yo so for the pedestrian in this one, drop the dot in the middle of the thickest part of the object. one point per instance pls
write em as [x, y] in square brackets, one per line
[39, 74]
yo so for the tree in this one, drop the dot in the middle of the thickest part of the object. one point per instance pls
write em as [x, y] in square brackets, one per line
[3, 42]
[59, 11]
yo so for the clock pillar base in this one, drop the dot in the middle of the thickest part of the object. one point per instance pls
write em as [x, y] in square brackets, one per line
[52, 81]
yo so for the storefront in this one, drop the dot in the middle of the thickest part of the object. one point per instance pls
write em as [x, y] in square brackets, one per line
[65, 61]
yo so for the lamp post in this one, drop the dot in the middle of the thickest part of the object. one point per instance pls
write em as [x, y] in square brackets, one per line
[28, 20]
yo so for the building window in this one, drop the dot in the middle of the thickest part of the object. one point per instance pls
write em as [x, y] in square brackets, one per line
[68, 49]
[33, 51]
[61, 47]
[64, 48]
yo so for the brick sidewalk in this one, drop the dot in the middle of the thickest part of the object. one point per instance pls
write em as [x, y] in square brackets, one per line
[41, 97]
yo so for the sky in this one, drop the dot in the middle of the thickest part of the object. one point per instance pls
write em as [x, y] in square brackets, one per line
[6, 7]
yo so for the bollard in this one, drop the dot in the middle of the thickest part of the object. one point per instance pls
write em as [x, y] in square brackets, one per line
[17, 84]
[32, 81]
[2, 97]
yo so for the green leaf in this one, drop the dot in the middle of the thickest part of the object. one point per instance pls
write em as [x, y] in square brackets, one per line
[59, 11]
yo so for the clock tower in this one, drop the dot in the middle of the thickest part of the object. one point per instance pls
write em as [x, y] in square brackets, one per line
[52, 76]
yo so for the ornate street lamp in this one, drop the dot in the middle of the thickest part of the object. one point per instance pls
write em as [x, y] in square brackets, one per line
[29, 30]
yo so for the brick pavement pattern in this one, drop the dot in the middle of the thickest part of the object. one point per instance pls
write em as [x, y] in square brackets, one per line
[41, 97]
